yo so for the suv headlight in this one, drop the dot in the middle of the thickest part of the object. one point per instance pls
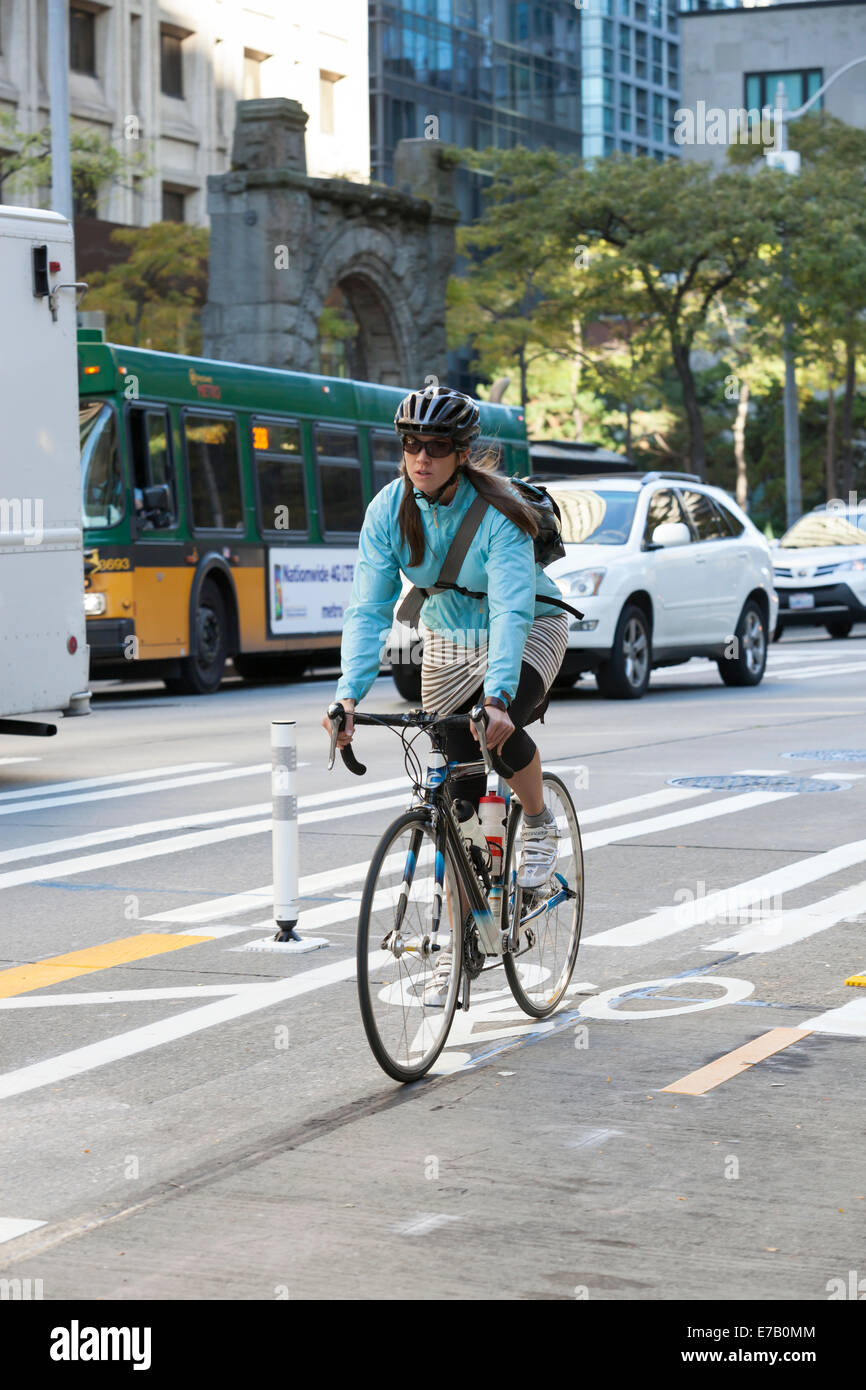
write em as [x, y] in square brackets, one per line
[851, 565]
[94, 605]
[581, 583]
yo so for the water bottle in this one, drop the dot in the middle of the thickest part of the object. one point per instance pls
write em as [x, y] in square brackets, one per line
[492, 815]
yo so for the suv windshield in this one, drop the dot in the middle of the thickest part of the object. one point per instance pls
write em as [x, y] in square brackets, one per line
[101, 480]
[591, 515]
[826, 528]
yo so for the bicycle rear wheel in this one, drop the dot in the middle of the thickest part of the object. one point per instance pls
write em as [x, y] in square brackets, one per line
[408, 887]
[550, 919]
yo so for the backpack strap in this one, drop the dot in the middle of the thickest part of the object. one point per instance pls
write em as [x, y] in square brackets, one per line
[457, 551]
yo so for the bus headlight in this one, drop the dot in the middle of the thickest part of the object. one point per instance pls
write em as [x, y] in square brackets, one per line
[94, 605]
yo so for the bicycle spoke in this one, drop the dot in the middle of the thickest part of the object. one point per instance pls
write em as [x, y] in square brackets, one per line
[405, 1030]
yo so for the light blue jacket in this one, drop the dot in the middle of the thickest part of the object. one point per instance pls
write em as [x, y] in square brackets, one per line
[500, 561]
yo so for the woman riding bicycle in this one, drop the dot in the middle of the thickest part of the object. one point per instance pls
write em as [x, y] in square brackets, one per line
[505, 648]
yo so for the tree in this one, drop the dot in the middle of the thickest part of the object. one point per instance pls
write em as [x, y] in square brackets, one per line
[154, 297]
[26, 157]
[514, 294]
[687, 234]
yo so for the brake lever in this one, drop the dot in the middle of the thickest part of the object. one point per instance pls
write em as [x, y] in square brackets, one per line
[492, 761]
[337, 716]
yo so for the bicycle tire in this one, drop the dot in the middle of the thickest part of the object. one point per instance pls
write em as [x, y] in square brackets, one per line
[387, 994]
[541, 1002]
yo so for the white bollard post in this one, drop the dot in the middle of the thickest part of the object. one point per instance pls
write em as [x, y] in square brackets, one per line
[284, 763]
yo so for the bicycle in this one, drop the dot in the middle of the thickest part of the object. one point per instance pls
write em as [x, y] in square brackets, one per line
[407, 913]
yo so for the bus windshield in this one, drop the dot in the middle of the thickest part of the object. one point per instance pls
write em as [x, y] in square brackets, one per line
[101, 478]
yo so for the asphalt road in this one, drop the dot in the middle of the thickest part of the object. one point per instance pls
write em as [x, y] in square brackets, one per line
[168, 1134]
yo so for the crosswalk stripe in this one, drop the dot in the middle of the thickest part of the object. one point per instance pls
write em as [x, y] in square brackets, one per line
[144, 789]
[784, 928]
[85, 783]
[670, 920]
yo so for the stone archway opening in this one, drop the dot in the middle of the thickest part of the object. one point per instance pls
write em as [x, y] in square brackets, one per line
[357, 337]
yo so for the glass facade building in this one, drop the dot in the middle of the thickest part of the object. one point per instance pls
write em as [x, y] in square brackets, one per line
[588, 76]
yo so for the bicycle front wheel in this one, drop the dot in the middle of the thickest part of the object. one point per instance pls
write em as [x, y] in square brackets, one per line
[409, 928]
[549, 918]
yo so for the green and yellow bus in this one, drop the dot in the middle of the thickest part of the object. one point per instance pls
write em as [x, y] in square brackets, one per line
[221, 509]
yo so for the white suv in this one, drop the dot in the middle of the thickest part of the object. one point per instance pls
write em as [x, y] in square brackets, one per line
[664, 568]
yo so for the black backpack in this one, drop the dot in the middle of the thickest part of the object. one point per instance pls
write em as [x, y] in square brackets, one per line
[548, 547]
[548, 542]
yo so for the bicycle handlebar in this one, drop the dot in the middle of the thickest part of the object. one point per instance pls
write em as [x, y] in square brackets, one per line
[416, 719]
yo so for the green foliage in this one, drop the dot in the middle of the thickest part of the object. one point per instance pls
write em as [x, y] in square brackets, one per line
[627, 295]
[26, 156]
[154, 297]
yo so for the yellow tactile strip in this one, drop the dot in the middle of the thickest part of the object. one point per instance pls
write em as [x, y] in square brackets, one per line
[856, 980]
[697, 1083]
[19, 979]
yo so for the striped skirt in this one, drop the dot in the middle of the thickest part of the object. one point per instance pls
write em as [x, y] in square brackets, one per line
[451, 672]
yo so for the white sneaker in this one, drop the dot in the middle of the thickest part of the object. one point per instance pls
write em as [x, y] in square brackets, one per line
[436, 993]
[538, 853]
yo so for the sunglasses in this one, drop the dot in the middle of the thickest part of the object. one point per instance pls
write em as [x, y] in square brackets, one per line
[436, 448]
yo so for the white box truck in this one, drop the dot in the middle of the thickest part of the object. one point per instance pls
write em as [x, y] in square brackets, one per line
[43, 643]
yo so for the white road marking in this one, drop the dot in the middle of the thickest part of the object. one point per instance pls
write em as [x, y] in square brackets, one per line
[83, 783]
[781, 929]
[144, 789]
[11, 1227]
[4, 761]
[848, 1021]
[64, 868]
[601, 1005]
[312, 884]
[728, 901]
[708, 811]
[632, 804]
[123, 996]
[137, 1040]
[825, 671]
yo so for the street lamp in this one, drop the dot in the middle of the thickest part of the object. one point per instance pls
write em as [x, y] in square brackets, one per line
[780, 157]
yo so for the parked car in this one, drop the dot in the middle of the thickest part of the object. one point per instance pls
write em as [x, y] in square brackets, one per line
[820, 570]
[664, 568]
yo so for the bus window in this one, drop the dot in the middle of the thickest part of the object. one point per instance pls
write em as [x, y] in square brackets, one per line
[278, 457]
[387, 456]
[215, 487]
[151, 464]
[339, 468]
[101, 478]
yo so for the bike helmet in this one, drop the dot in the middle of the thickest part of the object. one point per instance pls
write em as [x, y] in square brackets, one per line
[439, 410]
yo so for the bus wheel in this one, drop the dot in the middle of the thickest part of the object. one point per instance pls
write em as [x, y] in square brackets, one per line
[202, 672]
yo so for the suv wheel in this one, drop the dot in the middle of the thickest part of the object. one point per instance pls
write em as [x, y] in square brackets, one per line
[747, 666]
[840, 627]
[625, 676]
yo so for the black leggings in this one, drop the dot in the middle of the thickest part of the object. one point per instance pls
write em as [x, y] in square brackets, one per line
[517, 751]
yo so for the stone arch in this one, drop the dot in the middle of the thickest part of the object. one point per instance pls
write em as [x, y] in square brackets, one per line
[283, 241]
[354, 261]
